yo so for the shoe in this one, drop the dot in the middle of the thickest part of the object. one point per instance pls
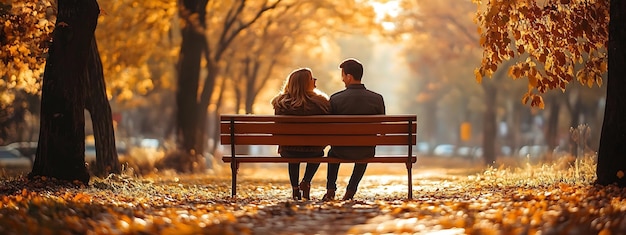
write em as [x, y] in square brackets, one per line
[349, 195]
[329, 196]
[305, 187]
[295, 195]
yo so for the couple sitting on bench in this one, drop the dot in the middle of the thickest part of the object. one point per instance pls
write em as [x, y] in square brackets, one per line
[299, 97]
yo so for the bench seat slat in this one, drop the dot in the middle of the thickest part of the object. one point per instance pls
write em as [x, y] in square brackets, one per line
[319, 140]
[317, 128]
[276, 159]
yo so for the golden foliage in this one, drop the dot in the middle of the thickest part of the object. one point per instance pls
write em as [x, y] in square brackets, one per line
[560, 41]
[137, 46]
[139, 41]
[25, 30]
[132, 37]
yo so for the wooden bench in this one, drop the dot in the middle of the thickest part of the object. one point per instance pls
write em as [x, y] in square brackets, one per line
[319, 130]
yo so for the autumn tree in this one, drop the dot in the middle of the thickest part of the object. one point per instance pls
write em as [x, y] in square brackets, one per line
[189, 131]
[27, 36]
[557, 35]
[96, 102]
[610, 161]
[138, 62]
[267, 42]
[272, 43]
[25, 28]
[210, 31]
[139, 57]
[132, 67]
[61, 149]
[442, 37]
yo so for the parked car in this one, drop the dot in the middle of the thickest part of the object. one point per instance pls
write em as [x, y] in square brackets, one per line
[478, 152]
[392, 150]
[29, 149]
[423, 148]
[26, 149]
[532, 151]
[90, 151]
[12, 159]
[469, 152]
[444, 150]
[506, 150]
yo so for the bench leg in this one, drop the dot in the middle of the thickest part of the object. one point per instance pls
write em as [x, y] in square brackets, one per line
[409, 170]
[234, 168]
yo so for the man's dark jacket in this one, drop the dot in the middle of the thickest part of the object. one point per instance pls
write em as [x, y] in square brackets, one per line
[355, 100]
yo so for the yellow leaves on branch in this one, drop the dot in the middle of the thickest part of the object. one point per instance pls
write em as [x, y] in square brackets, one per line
[554, 38]
[129, 64]
[26, 26]
[479, 76]
[535, 100]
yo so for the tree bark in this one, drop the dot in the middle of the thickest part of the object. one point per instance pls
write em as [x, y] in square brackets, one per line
[189, 108]
[100, 110]
[61, 148]
[611, 168]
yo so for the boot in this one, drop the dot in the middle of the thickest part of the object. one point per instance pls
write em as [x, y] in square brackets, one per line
[306, 190]
[295, 195]
[349, 195]
[329, 196]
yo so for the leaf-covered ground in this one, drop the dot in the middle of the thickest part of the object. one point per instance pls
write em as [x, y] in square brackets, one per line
[528, 199]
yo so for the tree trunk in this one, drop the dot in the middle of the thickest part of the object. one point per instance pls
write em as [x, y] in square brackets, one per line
[100, 110]
[251, 72]
[574, 105]
[238, 99]
[202, 139]
[515, 130]
[61, 148]
[196, 159]
[188, 76]
[430, 124]
[576, 110]
[250, 104]
[611, 161]
[215, 133]
[489, 123]
[188, 107]
[553, 124]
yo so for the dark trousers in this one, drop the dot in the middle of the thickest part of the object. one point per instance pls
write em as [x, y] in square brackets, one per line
[294, 168]
[355, 178]
[333, 170]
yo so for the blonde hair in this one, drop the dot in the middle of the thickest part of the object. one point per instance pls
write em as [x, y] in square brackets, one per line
[295, 91]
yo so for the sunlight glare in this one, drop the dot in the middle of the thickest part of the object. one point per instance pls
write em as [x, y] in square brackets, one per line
[386, 9]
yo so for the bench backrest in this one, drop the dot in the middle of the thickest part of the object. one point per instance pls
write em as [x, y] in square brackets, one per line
[318, 130]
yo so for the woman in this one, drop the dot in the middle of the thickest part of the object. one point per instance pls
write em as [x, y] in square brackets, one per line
[299, 97]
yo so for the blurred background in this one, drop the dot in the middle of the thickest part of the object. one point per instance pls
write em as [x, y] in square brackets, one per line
[420, 55]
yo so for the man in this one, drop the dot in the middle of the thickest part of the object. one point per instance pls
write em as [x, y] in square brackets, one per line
[354, 100]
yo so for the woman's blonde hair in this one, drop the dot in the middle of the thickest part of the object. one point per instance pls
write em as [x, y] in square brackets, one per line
[295, 91]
